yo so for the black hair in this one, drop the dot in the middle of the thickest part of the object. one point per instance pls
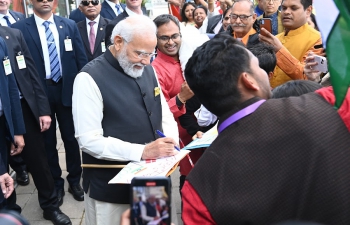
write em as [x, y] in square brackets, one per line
[295, 88]
[224, 14]
[164, 19]
[183, 15]
[305, 3]
[265, 54]
[313, 19]
[213, 72]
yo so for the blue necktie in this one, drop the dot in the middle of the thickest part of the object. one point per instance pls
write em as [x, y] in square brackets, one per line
[7, 21]
[54, 62]
[119, 8]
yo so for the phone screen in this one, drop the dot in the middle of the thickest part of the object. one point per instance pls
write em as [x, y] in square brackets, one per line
[150, 201]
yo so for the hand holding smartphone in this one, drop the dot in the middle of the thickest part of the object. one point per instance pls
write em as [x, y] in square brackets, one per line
[321, 64]
[150, 201]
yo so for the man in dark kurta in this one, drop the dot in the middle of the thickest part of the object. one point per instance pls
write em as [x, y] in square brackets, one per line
[276, 160]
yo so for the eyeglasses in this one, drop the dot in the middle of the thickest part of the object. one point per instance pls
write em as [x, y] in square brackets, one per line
[144, 55]
[241, 17]
[226, 18]
[166, 39]
[43, 0]
[87, 3]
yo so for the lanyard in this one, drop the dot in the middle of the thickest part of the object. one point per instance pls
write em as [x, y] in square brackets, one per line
[240, 114]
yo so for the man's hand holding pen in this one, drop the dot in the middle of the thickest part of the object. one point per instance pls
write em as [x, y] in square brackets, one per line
[159, 148]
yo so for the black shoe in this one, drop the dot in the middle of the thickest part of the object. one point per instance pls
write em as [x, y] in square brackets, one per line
[77, 192]
[60, 194]
[57, 217]
[22, 178]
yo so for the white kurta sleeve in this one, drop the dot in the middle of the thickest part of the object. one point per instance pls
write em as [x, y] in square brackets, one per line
[87, 111]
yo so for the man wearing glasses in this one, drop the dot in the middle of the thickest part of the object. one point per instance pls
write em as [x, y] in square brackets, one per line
[117, 108]
[92, 29]
[58, 52]
[242, 22]
[271, 11]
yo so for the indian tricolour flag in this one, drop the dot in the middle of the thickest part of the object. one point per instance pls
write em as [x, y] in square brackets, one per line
[333, 19]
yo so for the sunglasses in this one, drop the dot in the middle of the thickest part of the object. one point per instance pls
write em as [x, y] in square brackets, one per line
[87, 3]
[43, 0]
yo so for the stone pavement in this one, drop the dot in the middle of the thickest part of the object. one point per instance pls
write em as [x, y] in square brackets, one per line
[27, 198]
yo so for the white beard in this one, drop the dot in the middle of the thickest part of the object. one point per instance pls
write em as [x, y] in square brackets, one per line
[127, 66]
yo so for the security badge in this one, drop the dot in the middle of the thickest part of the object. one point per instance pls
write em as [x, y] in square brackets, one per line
[21, 61]
[7, 65]
[156, 91]
[68, 44]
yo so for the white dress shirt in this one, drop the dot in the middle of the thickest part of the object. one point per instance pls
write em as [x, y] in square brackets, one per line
[112, 5]
[3, 21]
[130, 13]
[95, 26]
[41, 29]
[87, 109]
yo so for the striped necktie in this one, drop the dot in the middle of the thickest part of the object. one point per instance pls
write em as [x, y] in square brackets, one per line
[7, 21]
[119, 8]
[54, 62]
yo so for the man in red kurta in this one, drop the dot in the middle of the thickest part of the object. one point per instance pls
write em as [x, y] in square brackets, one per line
[170, 77]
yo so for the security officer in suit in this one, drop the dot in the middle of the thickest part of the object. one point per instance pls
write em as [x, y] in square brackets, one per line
[7, 18]
[92, 29]
[58, 52]
[132, 8]
[111, 9]
[11, 119]
[36, 114]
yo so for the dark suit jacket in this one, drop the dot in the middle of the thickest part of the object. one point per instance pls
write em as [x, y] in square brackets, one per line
[76, 15]
[71, 61]
[212, 22]
[111, 25]
[28, 79]
[11, 105]
[17, 15]
[107, 12]
[100, 37]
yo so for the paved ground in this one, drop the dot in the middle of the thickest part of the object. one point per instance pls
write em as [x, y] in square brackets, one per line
[27, 198]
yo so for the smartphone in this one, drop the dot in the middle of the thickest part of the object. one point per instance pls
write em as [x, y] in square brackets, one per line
[322, 64]
[150, 201]
[266, 23]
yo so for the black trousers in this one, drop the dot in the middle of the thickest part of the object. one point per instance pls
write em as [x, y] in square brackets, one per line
[65, 121]
[34, 155]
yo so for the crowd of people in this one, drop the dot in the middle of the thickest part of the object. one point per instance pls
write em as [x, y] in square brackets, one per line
[111, 77]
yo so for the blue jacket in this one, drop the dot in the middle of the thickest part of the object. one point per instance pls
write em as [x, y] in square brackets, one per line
[107, 12]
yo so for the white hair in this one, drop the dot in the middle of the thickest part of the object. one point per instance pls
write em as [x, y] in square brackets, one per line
[137, 24]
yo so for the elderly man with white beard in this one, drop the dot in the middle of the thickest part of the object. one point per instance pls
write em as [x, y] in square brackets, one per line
[117, 108]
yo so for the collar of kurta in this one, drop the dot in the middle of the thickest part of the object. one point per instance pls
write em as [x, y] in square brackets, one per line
[298, 31]
[246, 37]
[112, 60]
[166, 57]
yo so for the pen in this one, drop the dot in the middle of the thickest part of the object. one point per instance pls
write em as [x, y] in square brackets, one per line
[162, 135]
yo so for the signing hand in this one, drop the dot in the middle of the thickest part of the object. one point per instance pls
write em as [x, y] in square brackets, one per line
[6, 183]
[45, 122]
[269, 38]
[17, 146]
[186, 92]
[159, 148]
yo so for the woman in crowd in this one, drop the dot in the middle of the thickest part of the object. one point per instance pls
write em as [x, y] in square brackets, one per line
[226, 19]
[187, 14]
[200, 18]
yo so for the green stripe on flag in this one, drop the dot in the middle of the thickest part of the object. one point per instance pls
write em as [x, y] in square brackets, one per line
[338, 52]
